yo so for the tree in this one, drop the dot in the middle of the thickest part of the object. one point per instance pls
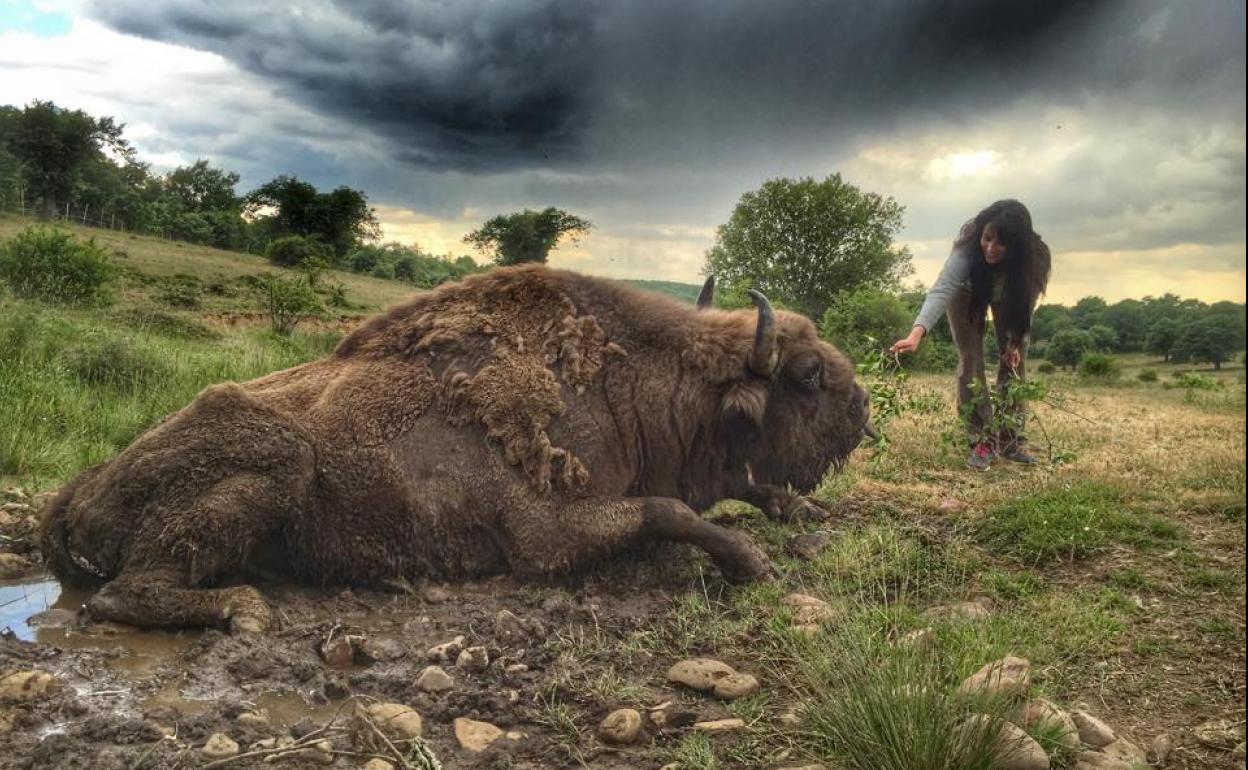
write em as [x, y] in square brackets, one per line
[1212, 338]
[801, 242]
[342, 219]
[200, 187]
[1104, 338]
[862, 321]
[1088, 312]
[1161, 337]
[1068, 346]
[1049, 320]
[1129, 319]
[54, 144]
[525, 236]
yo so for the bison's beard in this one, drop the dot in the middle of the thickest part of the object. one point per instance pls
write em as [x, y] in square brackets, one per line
[804, 469]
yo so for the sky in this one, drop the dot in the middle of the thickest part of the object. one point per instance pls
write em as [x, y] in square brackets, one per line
[1120, 123]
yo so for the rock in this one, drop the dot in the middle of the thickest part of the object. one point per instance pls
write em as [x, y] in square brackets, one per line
[1160, 750]
[1095, 760]
[1042, 714]
[1092, 731]
[1016, 750]
[735, 686]
[808, 610]
[700, 674]
[473, 659]
[437, 594]
[1008, 676]
[719, 725]
[951, 505]
[377, 764]
[26, 685]
[338, 651]
[434, 679]
[508, 627]
[1126, 751]
[219, 746]
[257, 718]
[1218, 734]
[919, 638]
[809, 545]
[7, 720]
[959, 611]
[379, 650]
[13, 566]
[621, 727]
[53, 618]
[447, 651]
[476, 736]
[515, 669]
[396, 720]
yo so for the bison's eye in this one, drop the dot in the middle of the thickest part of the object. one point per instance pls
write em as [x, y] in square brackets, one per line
[809, 376]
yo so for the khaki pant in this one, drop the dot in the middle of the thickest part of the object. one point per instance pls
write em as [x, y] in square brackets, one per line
[1004, 433]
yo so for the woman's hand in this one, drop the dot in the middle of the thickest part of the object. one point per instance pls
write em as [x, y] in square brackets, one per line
[909, 344]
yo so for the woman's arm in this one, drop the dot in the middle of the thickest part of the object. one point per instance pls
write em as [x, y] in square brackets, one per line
[952, 277]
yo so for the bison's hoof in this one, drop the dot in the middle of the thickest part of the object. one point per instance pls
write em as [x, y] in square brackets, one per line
[752, 564]
[805, 509]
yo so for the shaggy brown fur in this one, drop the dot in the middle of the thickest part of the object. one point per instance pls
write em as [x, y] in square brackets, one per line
[526, 419]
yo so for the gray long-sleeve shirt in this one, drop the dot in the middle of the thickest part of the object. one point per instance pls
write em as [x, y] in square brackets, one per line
[955, 275]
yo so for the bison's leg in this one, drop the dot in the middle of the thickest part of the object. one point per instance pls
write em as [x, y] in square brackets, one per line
[568, 536]
[161, 598]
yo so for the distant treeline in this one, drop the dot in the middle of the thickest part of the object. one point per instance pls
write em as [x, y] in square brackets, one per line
[59, 163]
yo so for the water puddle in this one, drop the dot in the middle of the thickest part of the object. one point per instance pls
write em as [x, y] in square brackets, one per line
[40, 611]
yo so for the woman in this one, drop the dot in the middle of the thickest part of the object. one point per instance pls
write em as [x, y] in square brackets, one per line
[997, 261]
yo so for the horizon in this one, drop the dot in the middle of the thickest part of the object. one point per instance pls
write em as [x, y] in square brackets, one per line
[1120, 124]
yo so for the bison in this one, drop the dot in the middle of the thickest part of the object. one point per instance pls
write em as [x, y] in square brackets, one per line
[526, 420]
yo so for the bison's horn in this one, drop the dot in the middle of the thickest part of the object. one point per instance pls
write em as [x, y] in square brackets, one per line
[706, 297]
[765, 354]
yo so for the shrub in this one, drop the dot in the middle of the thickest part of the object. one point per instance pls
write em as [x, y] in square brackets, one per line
[1147, 375]
[405, 269]
[1194, 381]
[382, 271]
[114, 364]
[1046, 368]
[289, 300]
[294, 249]
[50, 264]
[1099, 366]
[181, 293]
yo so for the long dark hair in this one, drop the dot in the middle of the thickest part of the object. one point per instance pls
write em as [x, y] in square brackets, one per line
[1025, 267]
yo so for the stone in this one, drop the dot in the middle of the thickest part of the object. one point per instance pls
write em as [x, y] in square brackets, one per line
[735, 686]
[1095, 760]
[257, 718]
[219, 746]
[434, 679]
[620, 727]
[515, 669]
[377, 763]
[1008, 676]
[447, 651]
[508, 627]
[958, 611]
[1125, 750]
[1160, 750]
[396, 720]
[338, 651]
[719, 725]
[7, 720]
[382, 649]
[699, 674]
[808, 545]
[473, 659]
[1218, 734]
[476, 736]
[808, 610]
[24, 686]
[1042, 714]
[1092, 731]
[1016, 750]
[13, 566]
[437, 594]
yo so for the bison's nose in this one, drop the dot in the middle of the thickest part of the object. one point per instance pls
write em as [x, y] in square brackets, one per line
[864, 398]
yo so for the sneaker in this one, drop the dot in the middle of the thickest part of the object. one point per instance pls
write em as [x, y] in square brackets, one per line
[1019, 455]
[981, 457]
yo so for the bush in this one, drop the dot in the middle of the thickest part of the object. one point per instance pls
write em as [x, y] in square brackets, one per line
[1046, 368]
[181, 291]
[1193, 381]
[293, 249]
[383, 271]
[289, 300]
[50, 264]
[1099, 366]
[1147, 375]
[114, 364]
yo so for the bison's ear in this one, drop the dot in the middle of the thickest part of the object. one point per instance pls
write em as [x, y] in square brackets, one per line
[744, 403]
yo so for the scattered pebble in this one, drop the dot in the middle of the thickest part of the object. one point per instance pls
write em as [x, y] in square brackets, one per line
[959, 611]
[473, 659]
[476, 736]
[1016, 749]
[219, 746]
[396, 719]
[1010, 675]
[447, 651]
[700, 674]
[434, 679]
[808, 545]
[26, 685]
[1160, 750]
[1045, 715]
[735, 686]
[437, 594]
[1126, 751]
[257, 718]
[508, 627]
[719, 725]
[621, 727]
[1092, 731]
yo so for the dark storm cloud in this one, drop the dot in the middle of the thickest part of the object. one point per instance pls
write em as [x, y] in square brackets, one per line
[482, 86]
